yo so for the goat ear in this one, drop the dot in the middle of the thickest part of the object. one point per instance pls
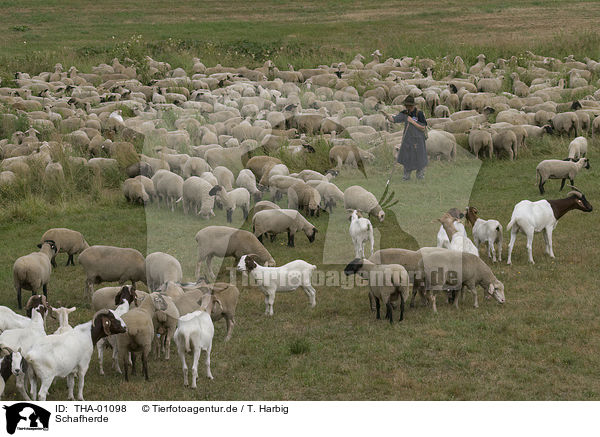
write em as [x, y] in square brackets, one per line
[106, 323]
[70, 310]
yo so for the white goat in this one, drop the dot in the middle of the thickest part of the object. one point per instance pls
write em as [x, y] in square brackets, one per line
[542, 216]
[361, 230]
[458, 242]
[69, 354]
[112, 342]
[288, 277]
[197, 329]
[63, 319]
[11, 320]
[442, 236]
[489, 231]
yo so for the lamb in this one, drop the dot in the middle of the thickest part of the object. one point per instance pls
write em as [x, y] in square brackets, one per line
[160, 268]
[330, 193]
[195, 329]
[247, 180]
[442, 236]
[387, 283]
[450, 269]
[356, 197]
[270, 280]
[66, 241]
[489, 231]
[140, 332]
[361, 231]
[232, 199]
[275, 221]
[558, 169]
[458, 242]
[302, 195]
[134, 192]
[109, 263]
[32, 272]
[196, 194]
[577, 149]
[63, 319]
[529, 217]
[69, 354]
[224, 241]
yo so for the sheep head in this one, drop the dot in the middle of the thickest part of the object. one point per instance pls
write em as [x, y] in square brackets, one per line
[496, 289]
[353, 267]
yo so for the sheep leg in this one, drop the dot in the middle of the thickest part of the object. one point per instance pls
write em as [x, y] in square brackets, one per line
[19, 296]
[132, 363]
[70, 385]
[389, 312]
[377, 308]
[145, 363]
[181, 352]
[371, 302]
[401, 307]
[245, 212]
[125, 366]
[290, 242]
[229, 216]
[45, 290]
[473, 290]
[207, 362]
[197, 351]
[511, 244]
[562, 184]
[70, 260]
[260, 238]
[53, 261]
[272, 237]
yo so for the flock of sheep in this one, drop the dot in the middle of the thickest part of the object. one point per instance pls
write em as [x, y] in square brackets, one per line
[218, 154]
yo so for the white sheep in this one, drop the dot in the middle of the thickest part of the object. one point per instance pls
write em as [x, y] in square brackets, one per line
[558, 169]
[489, 231]
[361, 231]
[32, 272]
[578, 149]
[356, 197]
[247, 180]
[542, 216]
[160, 268]
[195, 329]
[238, 197]
[288, 277]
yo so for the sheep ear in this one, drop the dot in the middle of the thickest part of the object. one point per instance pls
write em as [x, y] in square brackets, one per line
[39, 246]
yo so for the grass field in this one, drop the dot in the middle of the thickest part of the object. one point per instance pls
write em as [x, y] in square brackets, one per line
[542, 344]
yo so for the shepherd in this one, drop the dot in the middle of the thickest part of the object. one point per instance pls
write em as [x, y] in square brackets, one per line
[412, 154]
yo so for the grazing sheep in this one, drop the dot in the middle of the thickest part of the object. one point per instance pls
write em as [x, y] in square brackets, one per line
[440, 143]
[577, 149]
[330, 193]
[160, 268]
[565, 122]
[224, 177]
[387, 283]
[169, 188]
[232, 199]
[196, 330]
[197, 198]
[32, 272]
[224, 241]
[140, 332]
[109, 263]
[270, 280]
[303, 196]
[557, 169]
[139, 168]
[505, 140]
[148, 187]
[361, 231]
[257, 164]
[134, 192]
[351, 156]
[247, 180]
[195, 166]
[279, 184]
[264, 205]
[529, 217]
[275, 221]
[449, 269]
[68, 355]
[66, 241]
[356, 197]
[489, 231]
[480, 140]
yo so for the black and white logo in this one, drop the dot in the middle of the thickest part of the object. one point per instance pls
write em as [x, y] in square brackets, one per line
[26, 417]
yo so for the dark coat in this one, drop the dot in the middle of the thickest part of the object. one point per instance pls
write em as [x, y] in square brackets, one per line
[412, 154]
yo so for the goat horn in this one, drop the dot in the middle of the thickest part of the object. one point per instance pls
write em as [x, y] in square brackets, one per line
[575, 188]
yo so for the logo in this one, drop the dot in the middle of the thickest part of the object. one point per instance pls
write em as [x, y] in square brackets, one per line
[26, 417]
